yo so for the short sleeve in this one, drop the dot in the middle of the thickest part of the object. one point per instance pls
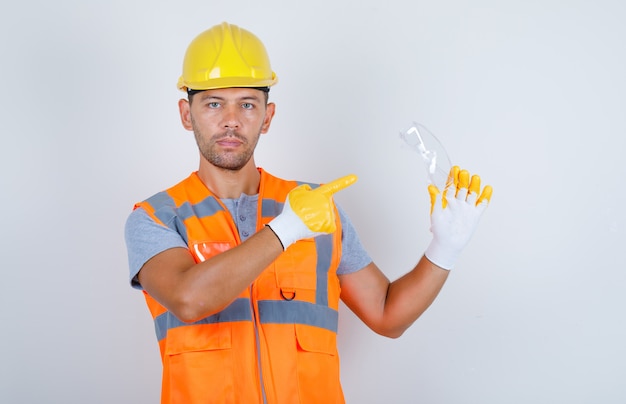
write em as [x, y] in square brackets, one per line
[146, 238]
[354, 256]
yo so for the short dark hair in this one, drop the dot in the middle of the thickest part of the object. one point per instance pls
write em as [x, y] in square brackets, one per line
[191, 93]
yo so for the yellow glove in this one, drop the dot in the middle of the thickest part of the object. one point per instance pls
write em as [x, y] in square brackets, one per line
[308, 212]
[455, 216]
[458, 179]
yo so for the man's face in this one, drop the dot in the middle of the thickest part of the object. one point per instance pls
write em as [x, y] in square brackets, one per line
[227, 124]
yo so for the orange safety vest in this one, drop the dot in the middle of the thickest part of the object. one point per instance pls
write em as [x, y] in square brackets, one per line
[276, 342]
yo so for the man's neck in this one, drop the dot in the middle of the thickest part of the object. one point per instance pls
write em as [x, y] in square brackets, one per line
[230, 183]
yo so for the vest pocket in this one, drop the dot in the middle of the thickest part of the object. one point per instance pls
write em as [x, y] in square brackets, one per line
[314, 339]
[318, 365]
[203, 250]
[199, 363]
[294, 272]
[198, 337]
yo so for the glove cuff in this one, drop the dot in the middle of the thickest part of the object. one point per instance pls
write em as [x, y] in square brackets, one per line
[279, 240]
[282, 226]
[441, 255]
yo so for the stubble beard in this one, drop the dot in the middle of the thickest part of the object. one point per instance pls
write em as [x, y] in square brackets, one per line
[226, 160]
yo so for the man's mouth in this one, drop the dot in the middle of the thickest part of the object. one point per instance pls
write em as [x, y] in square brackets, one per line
[229, 140]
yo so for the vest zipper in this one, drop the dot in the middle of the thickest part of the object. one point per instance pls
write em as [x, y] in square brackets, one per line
[257, 340]
[253, 306]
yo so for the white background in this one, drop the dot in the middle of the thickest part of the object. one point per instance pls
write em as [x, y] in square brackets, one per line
[529, 94]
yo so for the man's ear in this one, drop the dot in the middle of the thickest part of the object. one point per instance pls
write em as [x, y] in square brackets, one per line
[185, 113]
[269, 114]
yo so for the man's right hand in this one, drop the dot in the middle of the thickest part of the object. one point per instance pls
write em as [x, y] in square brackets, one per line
[455, 215]
[308, 212]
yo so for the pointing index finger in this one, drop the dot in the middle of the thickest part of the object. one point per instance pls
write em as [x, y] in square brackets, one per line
[337, 185]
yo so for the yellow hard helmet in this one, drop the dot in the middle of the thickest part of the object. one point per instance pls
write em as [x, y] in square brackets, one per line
[226, 56]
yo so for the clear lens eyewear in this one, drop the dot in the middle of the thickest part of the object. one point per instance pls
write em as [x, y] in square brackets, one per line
[432, 152]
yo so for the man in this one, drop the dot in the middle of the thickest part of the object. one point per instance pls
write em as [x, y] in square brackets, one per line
[243, 271]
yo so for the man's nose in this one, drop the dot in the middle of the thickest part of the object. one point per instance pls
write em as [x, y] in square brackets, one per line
[231, 117]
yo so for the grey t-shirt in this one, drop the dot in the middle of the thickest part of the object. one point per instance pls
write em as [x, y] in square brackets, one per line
[145, 238]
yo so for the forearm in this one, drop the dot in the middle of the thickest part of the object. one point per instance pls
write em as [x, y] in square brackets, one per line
[215, 283]
[199, 290]
[389, 308]
[409, 296]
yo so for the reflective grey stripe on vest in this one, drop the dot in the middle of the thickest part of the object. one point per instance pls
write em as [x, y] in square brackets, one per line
[324, 247]
[166, 211]
[271, 208]
[239, 310]
[298, 312]
[270, 312]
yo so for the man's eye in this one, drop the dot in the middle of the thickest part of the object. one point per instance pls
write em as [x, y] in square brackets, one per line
[214, 104]
[247, 105]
